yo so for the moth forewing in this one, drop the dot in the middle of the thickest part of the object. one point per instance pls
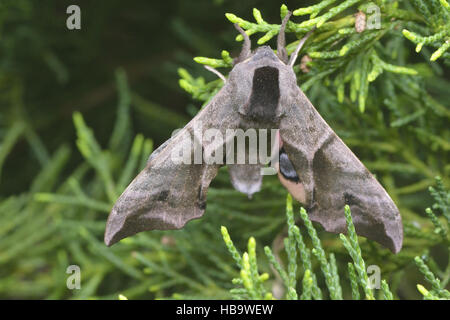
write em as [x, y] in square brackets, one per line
[332, 176]
[166, 195]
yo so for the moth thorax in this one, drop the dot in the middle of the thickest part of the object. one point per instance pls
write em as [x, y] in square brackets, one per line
[263, 102]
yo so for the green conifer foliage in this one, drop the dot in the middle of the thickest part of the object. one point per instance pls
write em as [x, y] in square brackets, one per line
[73, 134]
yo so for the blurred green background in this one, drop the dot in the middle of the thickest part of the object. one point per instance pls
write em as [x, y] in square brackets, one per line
[120, 71]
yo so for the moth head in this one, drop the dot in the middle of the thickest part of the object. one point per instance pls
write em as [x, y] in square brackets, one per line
[265, 51]
[248, 61]
[261, 57]
[261, 77]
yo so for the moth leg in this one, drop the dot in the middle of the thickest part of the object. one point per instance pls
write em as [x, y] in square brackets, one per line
[216, 72]
[299, 46]
[281, 40]
[246, 48]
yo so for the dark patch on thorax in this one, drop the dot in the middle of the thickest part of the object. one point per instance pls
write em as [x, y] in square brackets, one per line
[265, 95]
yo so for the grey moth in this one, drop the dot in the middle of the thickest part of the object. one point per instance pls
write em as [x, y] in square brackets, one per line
[314, 164]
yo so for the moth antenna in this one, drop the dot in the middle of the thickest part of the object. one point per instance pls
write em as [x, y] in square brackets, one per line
[299, 46]
[221, 76]
[246, 48]
[281, 40]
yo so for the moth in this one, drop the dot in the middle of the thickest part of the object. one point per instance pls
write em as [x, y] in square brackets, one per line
[314, 165]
